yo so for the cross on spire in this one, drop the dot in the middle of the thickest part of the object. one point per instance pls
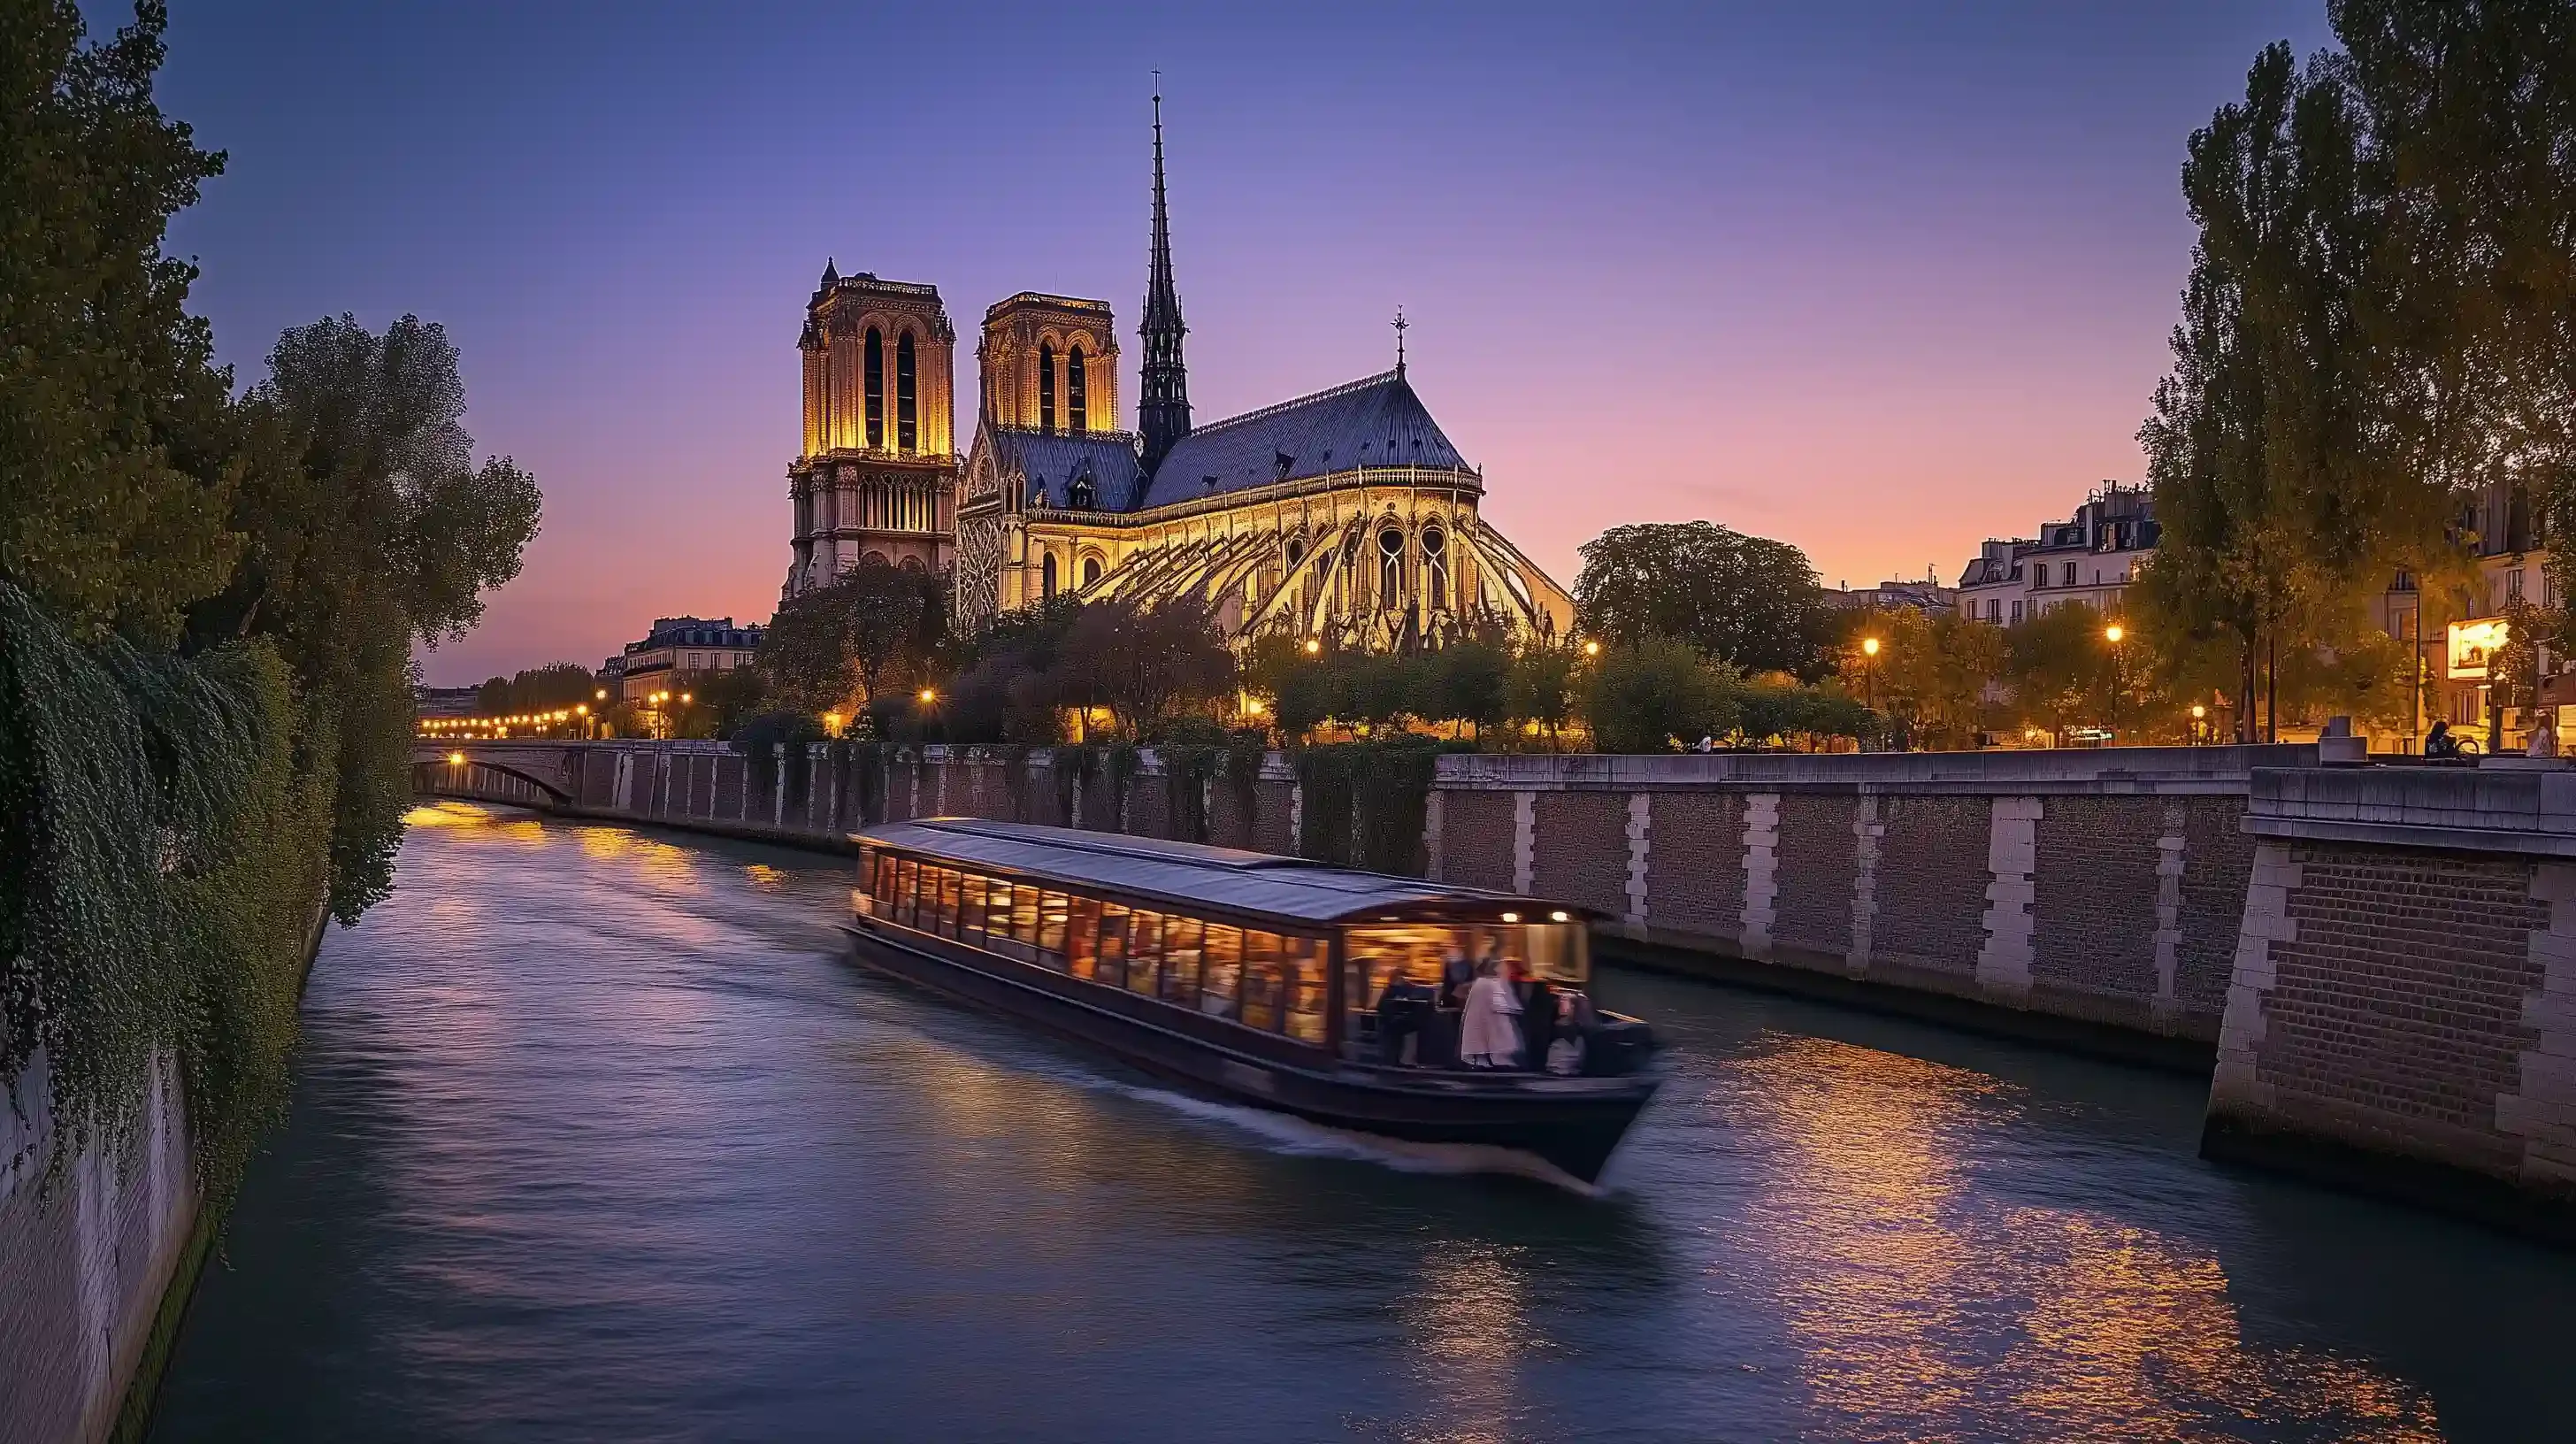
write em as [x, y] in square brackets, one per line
[1164, 409]
[1400, 325]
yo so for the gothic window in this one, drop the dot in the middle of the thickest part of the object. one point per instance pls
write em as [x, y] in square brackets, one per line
[1435, 568]
[907, 427]
[1077, 417]
[1046, 577]
[1090, 570]
[876, 389]
[1046, 389]
[1390, 568]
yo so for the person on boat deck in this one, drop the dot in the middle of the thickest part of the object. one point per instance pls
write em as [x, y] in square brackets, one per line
[1488, 1037]
[1404, 1011]
[1540, 1008]
[1440, 1040]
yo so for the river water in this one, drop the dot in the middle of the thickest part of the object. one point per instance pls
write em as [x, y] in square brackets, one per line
[596, 1138]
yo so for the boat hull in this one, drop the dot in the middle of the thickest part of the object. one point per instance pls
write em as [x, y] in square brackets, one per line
[1574, 1124]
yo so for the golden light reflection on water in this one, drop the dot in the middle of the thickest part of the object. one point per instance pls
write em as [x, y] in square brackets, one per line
[764, 878]
[1470, 1321]
[1896, 1292]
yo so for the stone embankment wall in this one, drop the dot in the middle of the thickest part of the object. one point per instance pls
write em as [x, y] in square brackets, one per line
[2405, 987]
[84, 1262]
[2093, 893]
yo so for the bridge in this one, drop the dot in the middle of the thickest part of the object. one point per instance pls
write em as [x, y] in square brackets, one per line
[529, 773]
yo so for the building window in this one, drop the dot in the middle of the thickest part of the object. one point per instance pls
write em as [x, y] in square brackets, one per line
[1995, 610]
[1435, 568]
[2070, 574]
[2016, 612]
[1077, 413]
[1090, 570]
[907, 429]
[2513, 585]
[1046, 576]
[1046, 389]
[876, 389]
[1390, 568]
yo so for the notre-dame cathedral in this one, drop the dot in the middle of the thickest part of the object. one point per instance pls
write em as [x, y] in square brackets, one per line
[1345, 515]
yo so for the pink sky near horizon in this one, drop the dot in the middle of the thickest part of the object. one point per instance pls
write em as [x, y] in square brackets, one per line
[1882, 297]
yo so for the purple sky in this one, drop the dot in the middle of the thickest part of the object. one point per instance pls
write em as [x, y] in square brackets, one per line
[1878, 278]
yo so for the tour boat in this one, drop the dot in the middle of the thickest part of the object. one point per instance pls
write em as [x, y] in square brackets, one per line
[1263, 979]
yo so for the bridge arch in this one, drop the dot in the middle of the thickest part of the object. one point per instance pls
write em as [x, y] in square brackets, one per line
[466, 773]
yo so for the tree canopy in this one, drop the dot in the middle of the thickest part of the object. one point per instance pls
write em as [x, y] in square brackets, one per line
[1744, 601]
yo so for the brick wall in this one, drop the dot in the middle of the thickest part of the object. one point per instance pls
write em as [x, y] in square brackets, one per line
[1695, 863]
[1586, 857]
[1930, 886]
[2094, 917]
[2220, 859]
[1819, 861]
[1476, 839]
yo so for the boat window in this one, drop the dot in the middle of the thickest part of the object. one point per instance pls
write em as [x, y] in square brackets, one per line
[1223, 975]
[1144, 951]
[1115, 922]
[1181, 960]
[1024, 916]
[1054, 919]
[943, 903]
[1302, 968]
[1556, 952]
[1082, 936]
[907, 874]
[1001, 910]
[1261, 980]
[970, 916]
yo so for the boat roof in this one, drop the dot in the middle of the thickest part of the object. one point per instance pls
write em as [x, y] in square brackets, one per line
[1188, 873]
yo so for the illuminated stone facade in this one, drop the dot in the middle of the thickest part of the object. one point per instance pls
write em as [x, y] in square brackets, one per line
[1345, 515]
[878, 473]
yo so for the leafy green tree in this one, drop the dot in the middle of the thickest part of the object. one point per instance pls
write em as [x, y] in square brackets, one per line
[1472, 683]
[369, 528]
[1650, 697]
[1544, 688]
[1938, 673]
[115, 454]
[1750, 603]
[862, 639]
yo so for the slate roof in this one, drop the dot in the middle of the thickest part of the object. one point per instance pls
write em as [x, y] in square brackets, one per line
[1374, 421]
[1192, 875]
[1054, 460]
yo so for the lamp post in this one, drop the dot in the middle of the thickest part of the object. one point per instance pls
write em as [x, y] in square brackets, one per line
[2198, 712]
[1869, 672]
[2113, 634]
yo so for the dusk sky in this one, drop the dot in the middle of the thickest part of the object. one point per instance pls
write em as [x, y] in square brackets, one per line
[1880, 279]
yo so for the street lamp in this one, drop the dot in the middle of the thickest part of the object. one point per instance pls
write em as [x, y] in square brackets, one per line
[1591, 648]
[1869, 672]
[832, 723]
[455, 759]
[2112, 634]
[929, 695]
[2198, 712]
[1313, 646]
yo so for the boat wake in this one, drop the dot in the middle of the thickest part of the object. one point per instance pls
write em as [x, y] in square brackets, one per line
[1288, 1134]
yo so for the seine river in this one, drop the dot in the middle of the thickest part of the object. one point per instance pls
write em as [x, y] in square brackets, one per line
[596, 1138]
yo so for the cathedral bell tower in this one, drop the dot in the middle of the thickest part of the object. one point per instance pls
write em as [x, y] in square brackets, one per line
[1164, 415]
[876, 478]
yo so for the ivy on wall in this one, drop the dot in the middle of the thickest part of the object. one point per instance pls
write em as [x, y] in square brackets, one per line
[1186, 774]
[165, 832]
[1363, 803]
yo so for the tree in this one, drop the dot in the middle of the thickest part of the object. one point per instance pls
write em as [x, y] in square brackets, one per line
[1542, 688]
[1936, 672]
[555, 686]
[1144, 661]
[369, 528]
[1472, 683]
[1648, 697]
[2061, 669]
[1747, 602]
[847, 645]
[115, 455]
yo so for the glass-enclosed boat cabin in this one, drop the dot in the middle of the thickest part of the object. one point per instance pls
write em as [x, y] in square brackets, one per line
[1252, 950]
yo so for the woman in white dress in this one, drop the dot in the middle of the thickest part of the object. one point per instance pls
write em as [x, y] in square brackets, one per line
[1489, 1036]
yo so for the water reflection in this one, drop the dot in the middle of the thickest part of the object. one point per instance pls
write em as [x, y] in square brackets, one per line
[1923, 1311]
[596, 1137]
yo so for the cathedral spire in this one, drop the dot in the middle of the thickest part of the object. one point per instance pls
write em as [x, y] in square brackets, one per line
[1164, 413]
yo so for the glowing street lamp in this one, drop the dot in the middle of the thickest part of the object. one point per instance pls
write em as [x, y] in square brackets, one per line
[1591, 648]
[1869, 672]
[1313, 646]
[929, 695]
[2198, 713]
[2112, 634]
[455, 759]
[832, 723]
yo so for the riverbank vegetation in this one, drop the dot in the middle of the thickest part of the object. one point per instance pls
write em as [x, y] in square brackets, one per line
[208, 604]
